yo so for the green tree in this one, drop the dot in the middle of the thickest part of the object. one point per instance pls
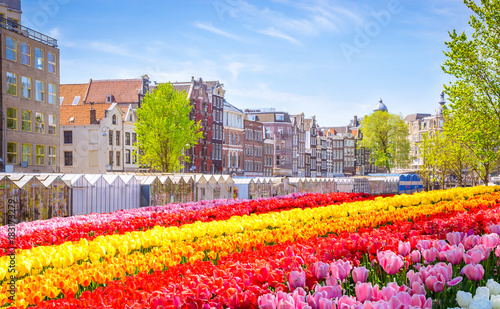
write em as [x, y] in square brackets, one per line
[474, 62]
[386, 135]
[164, 129]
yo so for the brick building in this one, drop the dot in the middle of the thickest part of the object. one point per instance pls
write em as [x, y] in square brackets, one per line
[279, 125]
[200, 95]
[253, 147]
[216, 93]
[30, 91]
[233, 141]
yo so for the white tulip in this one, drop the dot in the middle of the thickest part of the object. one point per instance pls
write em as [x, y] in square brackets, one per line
[483, 291]
[493, 286]
[464, 299]
[481, 297]
[495, 301]
[483, 304]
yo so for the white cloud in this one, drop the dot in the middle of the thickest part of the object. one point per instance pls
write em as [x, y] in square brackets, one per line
[54, 32]
[209, 27]
[278, 34]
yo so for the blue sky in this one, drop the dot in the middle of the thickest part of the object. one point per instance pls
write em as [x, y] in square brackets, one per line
[333, 59]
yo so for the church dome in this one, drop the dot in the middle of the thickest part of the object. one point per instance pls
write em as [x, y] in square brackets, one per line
[380, 107]
[442, 102]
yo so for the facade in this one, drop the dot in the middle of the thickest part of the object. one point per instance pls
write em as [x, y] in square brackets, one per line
[311, 143]
[420, 124]
[233, 141]
[298, 145]
[279, 125]
[201, 96]
[30, 91]
[216, 93]
[97, 136]
[253, 154]
[269, 154]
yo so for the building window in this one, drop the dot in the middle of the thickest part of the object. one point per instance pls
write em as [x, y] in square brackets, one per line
[110, 158]
[26, 87]
[52, 124]
[110, 137]
[118, 138]
[39, 58]
[25, 54]
[51, 62]
[134, 158]
[280, 117]
[134, 138]
[40, 154]
[52, 155]
[11, 49]
[127, 138]
[11, 84]
[68, 158]
[40, 90]
[114, 119]
[11, 118]
[26, 121]
[26, 153]
[118, 158]
[11, 153]
[68, 137]
[39, 123]
[127, 156]
[52, 94]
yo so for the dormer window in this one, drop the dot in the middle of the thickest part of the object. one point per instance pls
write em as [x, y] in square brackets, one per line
[109, 98]
[280, 117]
[114, 119]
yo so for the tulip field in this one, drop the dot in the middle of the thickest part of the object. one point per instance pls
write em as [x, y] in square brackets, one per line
[437, 249]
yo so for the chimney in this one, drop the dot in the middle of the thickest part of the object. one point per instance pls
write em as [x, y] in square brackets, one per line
[355, 121]
[93, 119]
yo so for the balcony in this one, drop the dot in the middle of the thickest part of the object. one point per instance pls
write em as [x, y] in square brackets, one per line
[30, 33]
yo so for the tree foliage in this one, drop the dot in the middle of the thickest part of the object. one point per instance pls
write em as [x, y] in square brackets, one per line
[474, 62]
[164, 129]
[386, 135]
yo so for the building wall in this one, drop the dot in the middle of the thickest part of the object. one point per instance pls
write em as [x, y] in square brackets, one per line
[217, 128]
[253, 149]
[233, 143]
[269, 156]
[30, 138]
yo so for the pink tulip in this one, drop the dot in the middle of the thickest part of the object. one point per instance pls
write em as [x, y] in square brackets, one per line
[494, 229]
[454, 238]
[267, 301]
[404, 248]
[296, 279]
[364, 291]
[415, 256]
[360, 274]
[413, 277]
[418, 288]
[331, 291]
[497, 252]
[387, 293]
[490, 240]
[326, 303]
[435, 283]
[345, 302]
[476, 255]
[471, 241]
[420, 301]
[340, 269]
[299, 295]
[454, 256]
[430, 254]
[390, 262]
[320, 270]
[314, 299]
[454, 281]
[473, 272]
[424, 244]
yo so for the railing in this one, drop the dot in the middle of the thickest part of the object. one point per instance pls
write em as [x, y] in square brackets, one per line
[35, 35]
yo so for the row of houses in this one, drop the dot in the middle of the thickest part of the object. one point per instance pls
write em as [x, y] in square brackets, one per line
[89, 127]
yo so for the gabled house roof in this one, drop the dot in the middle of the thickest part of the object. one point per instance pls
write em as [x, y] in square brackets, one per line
[122, 90]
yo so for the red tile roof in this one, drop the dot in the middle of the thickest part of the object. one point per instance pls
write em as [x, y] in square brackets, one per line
[70, 91]
[81, 113]
[123, 90]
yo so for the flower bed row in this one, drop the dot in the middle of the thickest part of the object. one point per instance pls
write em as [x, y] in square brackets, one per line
[304, 224]
[240, 278]
[60, 230]
[239, 232]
